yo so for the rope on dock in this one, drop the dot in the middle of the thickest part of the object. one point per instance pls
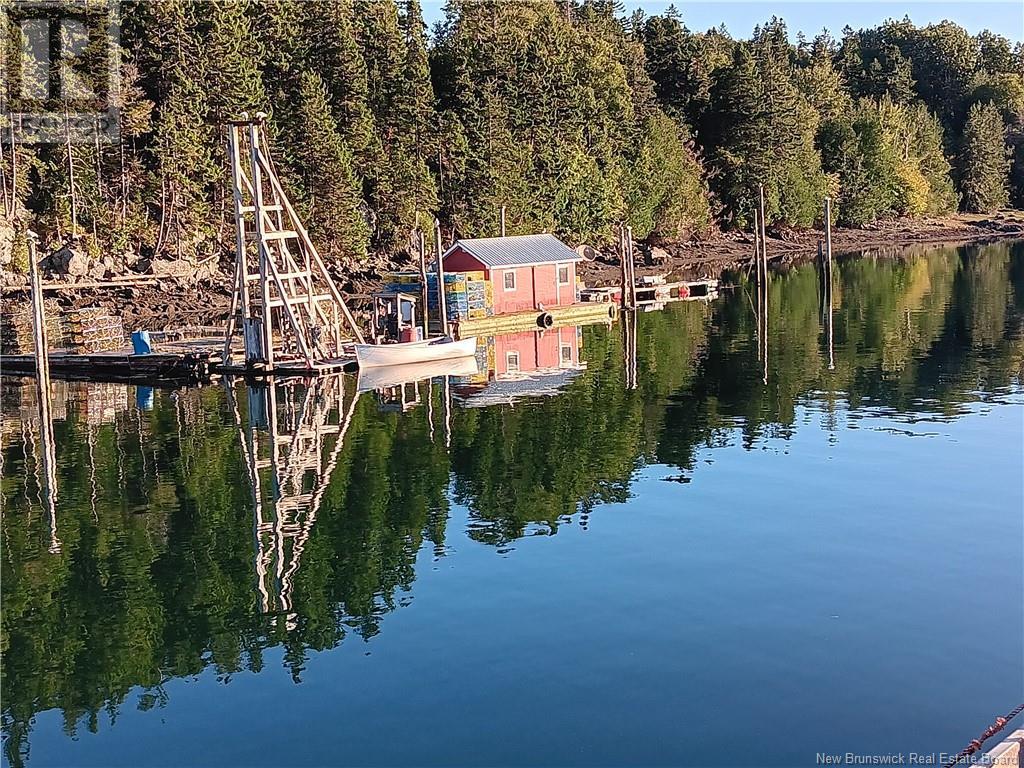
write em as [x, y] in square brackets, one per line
[992, 730]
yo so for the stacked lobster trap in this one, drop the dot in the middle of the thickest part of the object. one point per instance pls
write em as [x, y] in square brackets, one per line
[467, 295]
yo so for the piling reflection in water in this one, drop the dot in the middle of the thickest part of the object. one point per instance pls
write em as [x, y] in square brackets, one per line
[222, 522]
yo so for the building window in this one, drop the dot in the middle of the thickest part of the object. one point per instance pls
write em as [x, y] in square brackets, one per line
[512, 362]
[510, 280]
[563, 274]
[566, 354]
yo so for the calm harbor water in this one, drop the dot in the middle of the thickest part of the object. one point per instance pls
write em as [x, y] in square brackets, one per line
[738, 561]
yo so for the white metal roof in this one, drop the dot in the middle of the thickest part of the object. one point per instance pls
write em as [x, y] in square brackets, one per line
[517, 250]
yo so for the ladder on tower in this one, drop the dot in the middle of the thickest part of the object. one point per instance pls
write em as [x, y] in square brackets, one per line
[285, 305]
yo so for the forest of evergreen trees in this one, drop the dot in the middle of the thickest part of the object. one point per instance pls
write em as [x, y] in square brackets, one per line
[569, 112]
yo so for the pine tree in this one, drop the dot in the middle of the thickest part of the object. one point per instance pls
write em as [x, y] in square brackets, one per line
[761, 130]
[233, 56]
[186, 168]
[334, 54]
[1017, 176]
[822, 85]
[417, 114]
[324, 166]
[401, 99]
[983, 160]
[874, 66]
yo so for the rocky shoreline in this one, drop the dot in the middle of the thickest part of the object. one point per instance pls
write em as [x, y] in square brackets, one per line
[179, 294]
[733, 251]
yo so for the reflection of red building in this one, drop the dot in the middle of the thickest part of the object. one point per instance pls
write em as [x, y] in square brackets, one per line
[526, 272]
[532, 351]
[523, 365]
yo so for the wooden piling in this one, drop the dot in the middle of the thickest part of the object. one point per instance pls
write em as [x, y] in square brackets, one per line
[758, 279]
[828, 234]
[764, 237]
[441, 303]
[424, 293]
[39, 338]
[827, 277]
[631, 268]
[626, 295]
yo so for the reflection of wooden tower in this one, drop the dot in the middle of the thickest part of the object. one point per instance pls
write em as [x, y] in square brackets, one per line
[285, 305]
[287, 445]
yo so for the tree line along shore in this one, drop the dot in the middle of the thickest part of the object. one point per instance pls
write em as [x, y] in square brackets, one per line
[574, 116]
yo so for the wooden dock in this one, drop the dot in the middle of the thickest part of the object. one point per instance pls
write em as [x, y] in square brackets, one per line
[159, 368]
[584, 313]
[192, 361]
[680, 290]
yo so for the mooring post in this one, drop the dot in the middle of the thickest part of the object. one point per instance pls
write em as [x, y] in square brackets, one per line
[764, 237]
[503, 221]
[828, 236]
[424, 293]
[764, 272]
[39, 338]
[757, 248]
[441, 303]
[623, 268]
[828, 279]
[632, 267]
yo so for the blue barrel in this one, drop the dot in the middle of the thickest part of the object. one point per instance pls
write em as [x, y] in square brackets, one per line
[141, 343]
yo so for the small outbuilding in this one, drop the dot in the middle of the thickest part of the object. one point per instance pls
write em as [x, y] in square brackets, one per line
[526, 272]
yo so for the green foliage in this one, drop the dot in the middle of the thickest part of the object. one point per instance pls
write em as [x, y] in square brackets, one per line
[548, 111]
[400, 97]
[984, 162]
[668, 197]
[762, 132]
[324, 165]
[1017, 176]
[569, 115]
[889, 161]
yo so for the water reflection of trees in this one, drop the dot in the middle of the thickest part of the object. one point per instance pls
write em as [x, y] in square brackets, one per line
[155, 578]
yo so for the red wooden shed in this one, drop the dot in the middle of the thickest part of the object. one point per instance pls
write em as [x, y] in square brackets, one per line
[526, 272]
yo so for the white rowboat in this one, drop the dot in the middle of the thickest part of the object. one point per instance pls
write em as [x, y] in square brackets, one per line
[373, 355]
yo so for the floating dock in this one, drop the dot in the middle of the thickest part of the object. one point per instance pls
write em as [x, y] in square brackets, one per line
[677, 291]
[584, 313]
[172, 367]
[183, 363]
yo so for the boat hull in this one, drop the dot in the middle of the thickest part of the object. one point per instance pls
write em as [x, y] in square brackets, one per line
[376, 355]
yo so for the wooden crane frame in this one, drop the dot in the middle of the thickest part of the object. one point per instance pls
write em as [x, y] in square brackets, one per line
[285, 305]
